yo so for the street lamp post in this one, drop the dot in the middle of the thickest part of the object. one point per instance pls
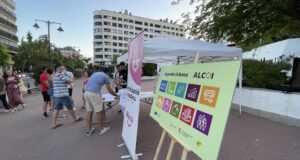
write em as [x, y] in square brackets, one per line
[60, 29]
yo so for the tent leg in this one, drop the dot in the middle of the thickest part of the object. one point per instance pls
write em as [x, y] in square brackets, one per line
[240, 87]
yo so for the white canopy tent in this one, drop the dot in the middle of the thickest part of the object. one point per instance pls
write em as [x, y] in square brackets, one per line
[184, 51]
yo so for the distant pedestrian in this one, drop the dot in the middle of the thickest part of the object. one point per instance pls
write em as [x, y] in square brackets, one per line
[61, 96]
[116, 78]
[12, 90]
[3, 95]
[94, 101]
[123, 73]
[44, 89]
[50, 88]
[86, 77]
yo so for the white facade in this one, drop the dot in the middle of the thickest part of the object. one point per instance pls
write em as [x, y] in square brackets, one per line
[113, 30]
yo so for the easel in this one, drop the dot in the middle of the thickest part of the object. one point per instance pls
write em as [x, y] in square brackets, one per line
[173, 141]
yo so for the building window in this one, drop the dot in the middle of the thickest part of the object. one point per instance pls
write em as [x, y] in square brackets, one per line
[114, 18]
[98, 30]
[98, 50]
[120, 51]
[98, 24]
[151, 30]
[125, 38]
[126, 32]
[131, 33]
[115, 44]
[105, 16]
[146, 29]
[131, 27]
[172, 28]
[139, 22]
[151, 36]
[120, 32]
[181, 30]
[121, 38]
[107, 30]
[146, 35]
[98, 37]
[119, 19]
[157, 26]
[97, 43]
[125, 45]
[107, 50]
[126, 20]
[157, 31]
[98, 56]
[176, 29]
[97, 16]
[114, 24]
[130, 21]
[120, 44]
[181, 35]
[164, 27]
[151, 24]
[114, 31]
[120, 25]
[106, 23]
[125, 26]
[138, 28]
[115, 38]
[146, 24]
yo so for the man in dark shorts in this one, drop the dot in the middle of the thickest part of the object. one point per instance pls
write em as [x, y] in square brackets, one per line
[44, 89]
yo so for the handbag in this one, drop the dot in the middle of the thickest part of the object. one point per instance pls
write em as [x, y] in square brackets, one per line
[22, 87]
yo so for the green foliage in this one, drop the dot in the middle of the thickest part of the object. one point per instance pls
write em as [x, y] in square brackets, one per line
[259, 74]
[149, 69]
[247, 23]
[35, 54]
[4, 56]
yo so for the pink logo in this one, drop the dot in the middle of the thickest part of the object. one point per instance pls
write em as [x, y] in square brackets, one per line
[135, 56]
[129, 119]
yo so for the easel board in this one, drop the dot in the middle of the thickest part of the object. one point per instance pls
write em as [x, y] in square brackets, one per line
[192, 104]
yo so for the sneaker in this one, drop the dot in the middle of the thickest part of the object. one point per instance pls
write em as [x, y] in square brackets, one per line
[88, 133]
[45, 115]
[104, 130]
[63, 117]
[7, 110]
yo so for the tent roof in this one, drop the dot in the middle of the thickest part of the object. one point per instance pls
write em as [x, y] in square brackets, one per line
[160, 50]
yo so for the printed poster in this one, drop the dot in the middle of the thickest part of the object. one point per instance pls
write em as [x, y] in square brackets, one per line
[131, 115]
[192, 103]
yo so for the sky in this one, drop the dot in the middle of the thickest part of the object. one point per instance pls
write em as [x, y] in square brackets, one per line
[76, 17]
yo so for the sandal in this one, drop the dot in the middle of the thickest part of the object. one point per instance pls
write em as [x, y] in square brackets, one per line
[58, 125]
[78, 119]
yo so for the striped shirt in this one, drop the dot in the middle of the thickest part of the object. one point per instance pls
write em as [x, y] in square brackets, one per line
[60, 85]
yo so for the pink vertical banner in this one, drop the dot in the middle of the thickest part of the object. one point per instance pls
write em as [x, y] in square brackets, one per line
[131, 115]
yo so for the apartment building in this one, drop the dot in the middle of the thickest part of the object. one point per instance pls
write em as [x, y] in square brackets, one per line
[112, 31]
[8, 28]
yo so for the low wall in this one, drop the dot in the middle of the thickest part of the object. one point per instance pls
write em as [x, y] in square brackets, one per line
[274, 105]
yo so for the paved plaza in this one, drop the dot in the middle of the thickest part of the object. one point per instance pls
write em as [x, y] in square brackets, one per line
[25, 135]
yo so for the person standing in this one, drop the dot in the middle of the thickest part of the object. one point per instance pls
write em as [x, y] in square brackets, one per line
[61, 96]
[94, 101]
[70, 85]
[44, 89]
[3, 95]
[123, 73]
[50, 88]
[116, 80]
[12, 90]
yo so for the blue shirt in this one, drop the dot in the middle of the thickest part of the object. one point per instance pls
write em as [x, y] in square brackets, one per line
[96, 81]
[60, 85]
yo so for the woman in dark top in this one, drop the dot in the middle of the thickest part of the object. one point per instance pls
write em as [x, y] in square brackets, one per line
[12, 90]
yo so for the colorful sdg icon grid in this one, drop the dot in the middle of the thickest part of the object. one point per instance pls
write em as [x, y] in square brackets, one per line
[208, 97]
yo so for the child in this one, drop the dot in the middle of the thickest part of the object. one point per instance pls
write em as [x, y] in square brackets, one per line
[123, 94]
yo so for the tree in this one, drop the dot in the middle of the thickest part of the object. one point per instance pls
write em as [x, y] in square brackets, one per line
[4, 56]
[247, 23]
[29, 37]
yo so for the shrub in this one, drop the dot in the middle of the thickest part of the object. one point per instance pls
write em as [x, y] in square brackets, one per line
[149, 69]
[259, 74]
